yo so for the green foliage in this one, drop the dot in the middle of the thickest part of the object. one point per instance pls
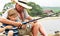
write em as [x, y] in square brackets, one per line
[0, 13]
[55, 9]
[36, 9]
[58, 13]
[7, 6]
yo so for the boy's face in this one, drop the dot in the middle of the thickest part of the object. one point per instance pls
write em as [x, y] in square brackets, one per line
[12, 14]
[13, 18]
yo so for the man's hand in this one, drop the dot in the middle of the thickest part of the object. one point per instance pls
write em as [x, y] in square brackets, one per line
[35, 21]
[18, 24]
[23, 26]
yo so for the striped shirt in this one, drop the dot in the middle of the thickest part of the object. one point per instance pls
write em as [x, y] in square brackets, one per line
[14, 29]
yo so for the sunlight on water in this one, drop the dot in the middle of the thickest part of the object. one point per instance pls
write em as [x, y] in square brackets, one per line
[51, 25]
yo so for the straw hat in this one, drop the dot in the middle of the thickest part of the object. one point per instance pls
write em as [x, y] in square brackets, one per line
[23, 3]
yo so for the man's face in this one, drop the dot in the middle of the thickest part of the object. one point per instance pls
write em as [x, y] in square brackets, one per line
[19, 8]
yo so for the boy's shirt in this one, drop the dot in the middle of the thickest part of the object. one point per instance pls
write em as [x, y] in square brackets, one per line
[14, 29]
[1, 26]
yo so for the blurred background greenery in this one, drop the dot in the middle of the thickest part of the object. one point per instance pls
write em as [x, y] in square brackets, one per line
[42, 11]
[36, 10]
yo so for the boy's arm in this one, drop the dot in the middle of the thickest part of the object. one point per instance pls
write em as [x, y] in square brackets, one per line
[2, 29]
[6, 27]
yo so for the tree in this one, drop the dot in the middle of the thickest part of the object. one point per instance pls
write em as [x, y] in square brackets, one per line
[58, 14]
[0, 13]
[7, 6]
[36, 9]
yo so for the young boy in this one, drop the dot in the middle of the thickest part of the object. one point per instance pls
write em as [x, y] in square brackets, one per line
[12, 15]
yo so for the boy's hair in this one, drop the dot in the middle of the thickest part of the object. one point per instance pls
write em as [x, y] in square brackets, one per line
[12, 12]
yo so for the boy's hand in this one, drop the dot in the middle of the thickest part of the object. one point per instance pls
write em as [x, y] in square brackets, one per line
[9, 27]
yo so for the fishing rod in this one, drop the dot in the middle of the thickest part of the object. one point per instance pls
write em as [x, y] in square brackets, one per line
[39, 18]
[35, 20]
[31, 21]
[24, 23]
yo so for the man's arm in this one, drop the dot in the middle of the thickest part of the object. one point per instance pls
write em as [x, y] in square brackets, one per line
[29, 18]
[6, 21]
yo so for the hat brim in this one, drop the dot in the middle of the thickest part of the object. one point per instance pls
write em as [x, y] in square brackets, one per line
[24, 5]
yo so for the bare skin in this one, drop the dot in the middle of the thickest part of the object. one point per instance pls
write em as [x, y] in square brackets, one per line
[3, 20]
[40, 28]
[35, 27]
[3, 29]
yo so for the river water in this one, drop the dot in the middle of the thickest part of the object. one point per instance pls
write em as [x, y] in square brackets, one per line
[51, 24]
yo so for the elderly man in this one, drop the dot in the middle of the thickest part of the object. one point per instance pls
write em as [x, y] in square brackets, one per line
[20, 8]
